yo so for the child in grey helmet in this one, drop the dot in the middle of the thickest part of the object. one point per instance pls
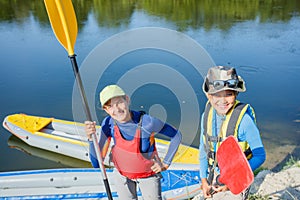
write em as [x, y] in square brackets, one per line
[222, 86]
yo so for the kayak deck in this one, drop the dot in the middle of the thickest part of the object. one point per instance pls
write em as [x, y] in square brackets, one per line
[69, 138]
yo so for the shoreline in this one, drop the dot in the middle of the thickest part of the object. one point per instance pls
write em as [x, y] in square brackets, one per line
[278, 156]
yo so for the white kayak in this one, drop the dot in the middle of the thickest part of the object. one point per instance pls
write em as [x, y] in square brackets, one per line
[69, 138]
[86, 183]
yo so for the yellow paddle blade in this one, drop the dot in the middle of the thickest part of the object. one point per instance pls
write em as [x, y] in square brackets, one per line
[63, 21]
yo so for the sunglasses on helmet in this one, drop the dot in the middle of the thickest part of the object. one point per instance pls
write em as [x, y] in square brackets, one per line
[219, 84]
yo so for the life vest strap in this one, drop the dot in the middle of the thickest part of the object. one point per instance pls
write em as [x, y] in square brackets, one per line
[211, 155]
[214, 139]
[234, 118]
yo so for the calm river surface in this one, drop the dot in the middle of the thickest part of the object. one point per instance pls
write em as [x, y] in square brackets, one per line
[260, 38]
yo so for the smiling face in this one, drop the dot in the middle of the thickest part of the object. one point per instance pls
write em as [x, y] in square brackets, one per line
[118, 108]
[222, 101]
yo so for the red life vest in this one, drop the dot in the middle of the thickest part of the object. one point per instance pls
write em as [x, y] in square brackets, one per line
[128, 158]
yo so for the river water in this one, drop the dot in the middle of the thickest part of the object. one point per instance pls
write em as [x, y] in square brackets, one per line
[259, 38]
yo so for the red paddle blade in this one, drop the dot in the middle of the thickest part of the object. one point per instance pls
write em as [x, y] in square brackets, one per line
[235, 171]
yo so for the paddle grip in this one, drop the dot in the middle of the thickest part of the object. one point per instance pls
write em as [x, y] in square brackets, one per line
[210, 180]
[211, 191]
[218, 182]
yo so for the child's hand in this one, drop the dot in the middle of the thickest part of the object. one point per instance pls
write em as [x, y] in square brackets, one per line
[90, 128]
[158, 166]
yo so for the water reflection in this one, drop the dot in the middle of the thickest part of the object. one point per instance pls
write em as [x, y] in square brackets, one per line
[184, 14]
[16, 143]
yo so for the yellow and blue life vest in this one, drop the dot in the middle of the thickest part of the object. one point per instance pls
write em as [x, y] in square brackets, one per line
[229, 127]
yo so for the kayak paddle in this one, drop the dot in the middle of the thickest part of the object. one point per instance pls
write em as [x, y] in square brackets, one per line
[64, 24]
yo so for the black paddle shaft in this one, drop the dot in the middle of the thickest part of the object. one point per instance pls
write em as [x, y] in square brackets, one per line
[80, 86]
[87, 113]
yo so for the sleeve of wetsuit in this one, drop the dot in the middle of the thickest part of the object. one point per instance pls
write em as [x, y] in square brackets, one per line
[249, 132]
[93, 156]
[202, 155]
[152, 124]
[174, 142]
[105, 133]
[258, 158]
